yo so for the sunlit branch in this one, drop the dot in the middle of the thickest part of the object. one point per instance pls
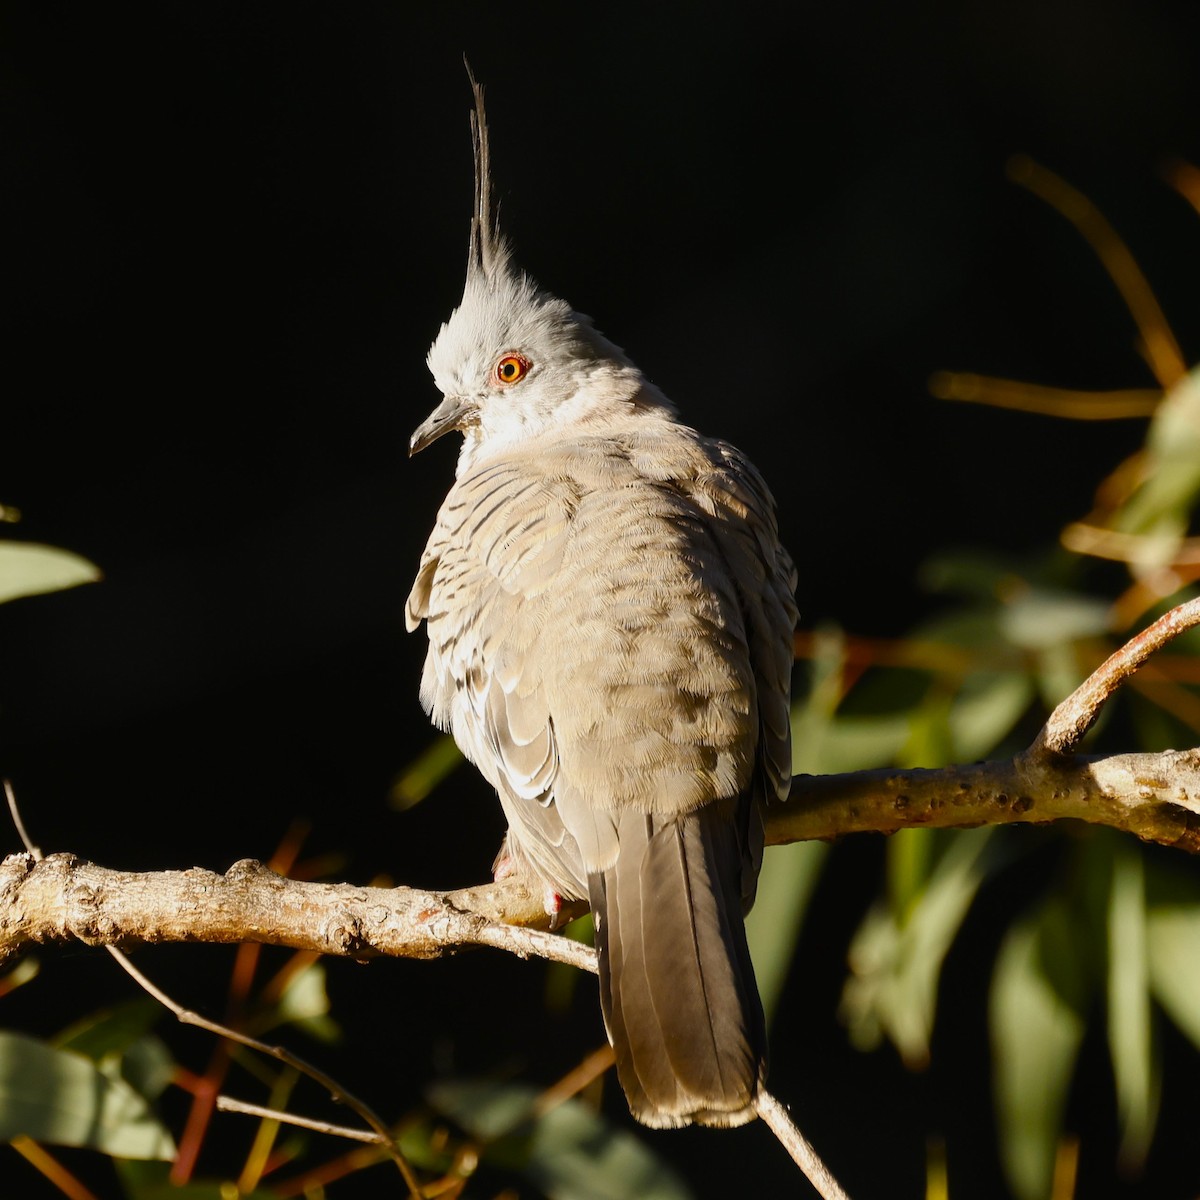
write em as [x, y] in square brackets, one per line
[1069, 403]
[1162, 350]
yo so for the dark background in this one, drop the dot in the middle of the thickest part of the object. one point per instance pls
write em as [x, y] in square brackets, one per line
[231, 232]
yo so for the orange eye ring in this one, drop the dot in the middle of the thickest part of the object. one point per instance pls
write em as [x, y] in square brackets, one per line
[510, 369]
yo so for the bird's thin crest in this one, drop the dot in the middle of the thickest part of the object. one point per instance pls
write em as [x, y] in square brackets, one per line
[489, 252]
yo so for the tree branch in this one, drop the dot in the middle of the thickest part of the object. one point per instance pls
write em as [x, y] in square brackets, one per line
[1155, 797]
[1077, 713]
[62, 898]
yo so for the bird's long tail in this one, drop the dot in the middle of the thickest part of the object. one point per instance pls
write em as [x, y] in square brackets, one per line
[676, 982]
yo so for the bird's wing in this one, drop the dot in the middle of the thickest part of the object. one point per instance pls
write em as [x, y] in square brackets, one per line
[765, 578]
[484, 582]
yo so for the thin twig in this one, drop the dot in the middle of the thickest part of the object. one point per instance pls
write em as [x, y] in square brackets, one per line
[188, 1017]
[1072, 404]
[38, 1157]
[777, 1118]
[15, 813]
[575, 1080]
[1138, 549]
[229, 1104]
[1077, 713]
[1161, 349]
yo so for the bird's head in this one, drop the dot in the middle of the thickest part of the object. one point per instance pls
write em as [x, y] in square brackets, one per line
[515, 363]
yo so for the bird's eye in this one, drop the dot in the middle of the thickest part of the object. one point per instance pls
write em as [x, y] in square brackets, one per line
[512, 368]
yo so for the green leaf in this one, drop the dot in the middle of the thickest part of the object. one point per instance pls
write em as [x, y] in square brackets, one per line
[118, 1042]
[1038, 618]
[897, 954]
[422, 775]
[851, 743]
[563, 982]
[824, 742]
[146, 1065]
[976, 628]
[570, 1152]
[966, 573]
[305, 1004]
[1036, 1013]
[910, 859]
[24, 972]
[111, 1030]
[785, 886]
[30, 569]
[1173, 948]
[985, 710]
[1129, 1025]
[59, 1096]
[1058, 673]
[1160, 508]
[928, 742]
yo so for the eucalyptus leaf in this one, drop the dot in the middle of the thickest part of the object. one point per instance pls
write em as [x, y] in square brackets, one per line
[928, 742]
[825, 742]
[966, 572]
[785, 886]
[1160, 508]
[1038, 618]
[896, 956]
[110, 1030]
[911, 854]
[118, 1041]
[146, 1065]
[828, 747]
[1173, 953]
[304, 1002]
[975, 628]
[58, 1096]
[1058, 673]
[1036, 1014]
[30, 569]
[985, 710]
[569, 1152]
[422, 775]
[1129, 1026]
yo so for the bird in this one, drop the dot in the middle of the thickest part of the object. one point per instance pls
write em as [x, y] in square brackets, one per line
[610, 615]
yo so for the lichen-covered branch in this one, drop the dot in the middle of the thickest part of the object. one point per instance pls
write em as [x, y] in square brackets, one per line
[1155, 797]
[62, 898]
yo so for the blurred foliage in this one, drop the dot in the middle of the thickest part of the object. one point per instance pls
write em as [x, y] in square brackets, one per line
[1114, 937]
[55, 1095]
[566, 1150]
[28, 569]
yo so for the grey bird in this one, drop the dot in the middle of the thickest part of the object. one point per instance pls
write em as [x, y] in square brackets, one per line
[610, 617]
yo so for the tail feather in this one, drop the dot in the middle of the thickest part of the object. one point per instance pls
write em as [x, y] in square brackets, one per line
[676, 983]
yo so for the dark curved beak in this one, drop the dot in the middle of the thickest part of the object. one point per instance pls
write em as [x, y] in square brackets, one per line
[451, 414]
